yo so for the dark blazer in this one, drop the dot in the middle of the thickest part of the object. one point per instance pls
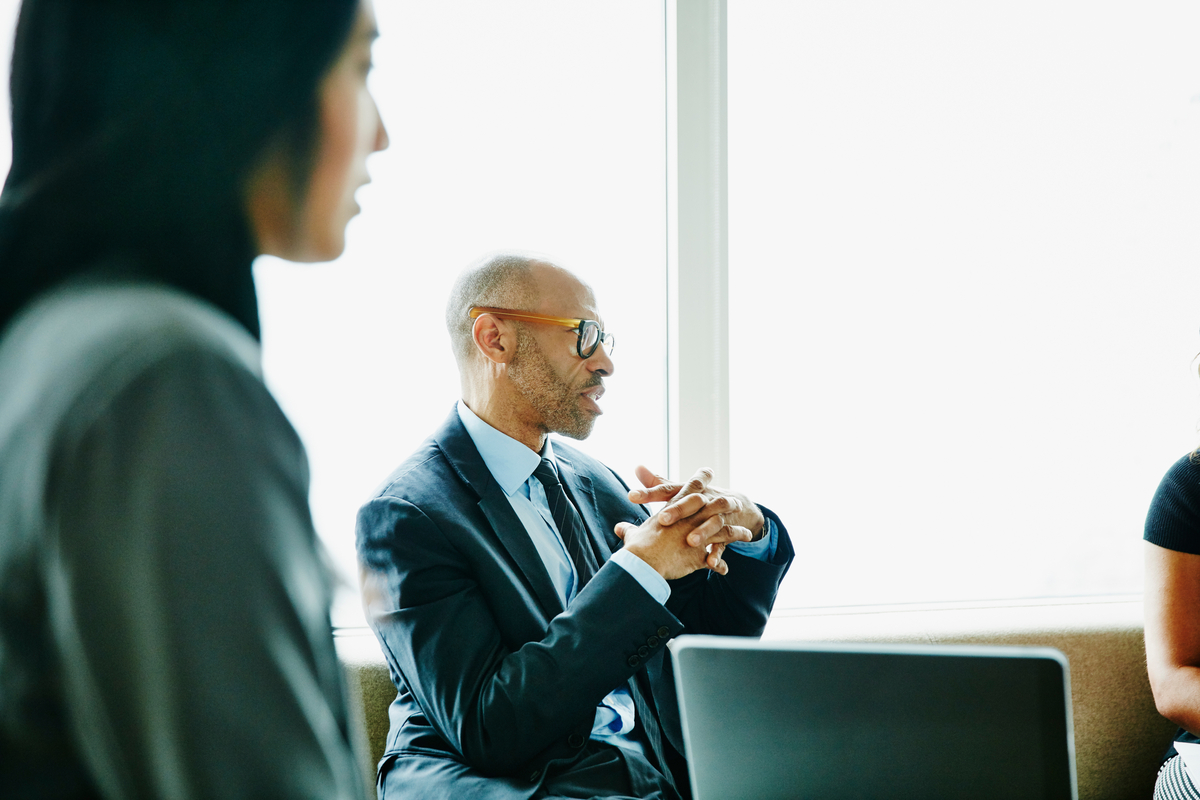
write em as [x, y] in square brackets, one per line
[494, 678]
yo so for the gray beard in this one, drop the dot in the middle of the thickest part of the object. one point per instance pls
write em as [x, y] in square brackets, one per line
[556, 402]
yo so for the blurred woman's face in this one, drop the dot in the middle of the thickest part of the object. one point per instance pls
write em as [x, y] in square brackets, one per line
[313, 227]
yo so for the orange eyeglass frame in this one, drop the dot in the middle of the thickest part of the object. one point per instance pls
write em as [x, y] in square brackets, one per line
[606, 338]
[479, 311]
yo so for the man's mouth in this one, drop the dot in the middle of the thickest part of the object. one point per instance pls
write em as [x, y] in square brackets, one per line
[593, 395]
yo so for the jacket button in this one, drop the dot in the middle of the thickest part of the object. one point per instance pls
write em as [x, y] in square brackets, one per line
[652, 641]
[533, 776]
[643, 651]
[664, 632]
[575, 740]
[633, 661]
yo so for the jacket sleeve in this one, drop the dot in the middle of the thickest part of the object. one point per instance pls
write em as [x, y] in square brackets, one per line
[499, 704]
[187, 596]
[738, 603]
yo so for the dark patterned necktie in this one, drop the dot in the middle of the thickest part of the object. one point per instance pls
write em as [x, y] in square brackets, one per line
[579, 547]
[570, 526]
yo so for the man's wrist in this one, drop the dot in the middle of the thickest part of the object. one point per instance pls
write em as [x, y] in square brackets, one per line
[640, 570]
[763, 528]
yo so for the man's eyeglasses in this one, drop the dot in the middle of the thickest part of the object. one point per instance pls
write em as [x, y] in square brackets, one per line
[589, 331]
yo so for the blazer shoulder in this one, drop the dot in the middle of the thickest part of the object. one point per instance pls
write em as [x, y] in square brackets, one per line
[445, 468]
[424, 490]
[421, 476]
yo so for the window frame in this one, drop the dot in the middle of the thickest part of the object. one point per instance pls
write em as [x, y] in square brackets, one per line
[697, 238]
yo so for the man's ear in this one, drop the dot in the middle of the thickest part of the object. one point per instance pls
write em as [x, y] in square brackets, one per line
[494, 339]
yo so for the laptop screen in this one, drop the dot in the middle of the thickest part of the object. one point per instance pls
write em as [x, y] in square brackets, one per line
[825, 721]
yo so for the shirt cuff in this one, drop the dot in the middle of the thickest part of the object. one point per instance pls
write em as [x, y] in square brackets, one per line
[763, 549]
[654, 584]
[615, 715]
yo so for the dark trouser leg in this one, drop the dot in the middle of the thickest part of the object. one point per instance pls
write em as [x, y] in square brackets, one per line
[604, 772]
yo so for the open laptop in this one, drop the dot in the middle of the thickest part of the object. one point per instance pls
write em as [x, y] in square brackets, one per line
[809, 721]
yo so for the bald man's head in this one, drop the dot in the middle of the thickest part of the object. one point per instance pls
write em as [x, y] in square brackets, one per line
[527, 378]
[498, 281]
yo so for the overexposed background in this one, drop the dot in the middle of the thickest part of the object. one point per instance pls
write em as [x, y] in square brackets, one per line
[965, 246]
[964, 269]
[536, 126]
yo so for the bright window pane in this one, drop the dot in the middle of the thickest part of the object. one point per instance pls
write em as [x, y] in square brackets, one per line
[964, 263]
[534, 125]
[8, 24]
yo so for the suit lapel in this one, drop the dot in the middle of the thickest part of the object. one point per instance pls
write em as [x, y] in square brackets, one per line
[579, 488]
[463, 456]
[516, 541]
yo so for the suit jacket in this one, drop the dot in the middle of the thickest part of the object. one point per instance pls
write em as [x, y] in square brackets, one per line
[495, 679]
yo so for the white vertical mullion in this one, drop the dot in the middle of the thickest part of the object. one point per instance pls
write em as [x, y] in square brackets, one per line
[697, 238]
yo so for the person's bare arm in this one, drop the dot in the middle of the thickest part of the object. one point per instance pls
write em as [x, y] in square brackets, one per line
[1172, 625]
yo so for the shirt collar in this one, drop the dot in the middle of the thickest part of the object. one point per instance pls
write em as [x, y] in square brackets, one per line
[510, 462]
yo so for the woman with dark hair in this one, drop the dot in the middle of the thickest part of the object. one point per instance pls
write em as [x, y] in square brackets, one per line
[164, 608]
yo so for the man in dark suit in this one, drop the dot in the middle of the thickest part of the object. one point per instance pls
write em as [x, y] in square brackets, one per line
[521, 595]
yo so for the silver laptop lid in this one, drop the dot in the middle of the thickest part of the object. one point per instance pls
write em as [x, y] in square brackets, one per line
[775, 720]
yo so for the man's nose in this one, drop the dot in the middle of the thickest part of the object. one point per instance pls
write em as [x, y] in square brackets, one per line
[600, 361]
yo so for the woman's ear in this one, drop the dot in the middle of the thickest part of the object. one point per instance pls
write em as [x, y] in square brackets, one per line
[495, 340]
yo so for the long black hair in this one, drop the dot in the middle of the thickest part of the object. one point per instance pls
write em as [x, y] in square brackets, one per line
[135, 125]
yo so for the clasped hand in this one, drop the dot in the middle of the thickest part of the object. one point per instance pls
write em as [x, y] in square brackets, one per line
[691, 531]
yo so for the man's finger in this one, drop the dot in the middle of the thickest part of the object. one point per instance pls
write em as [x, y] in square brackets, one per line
[623, 528]
[655, 494]
[707, 532]
[681, 509]
[664, 491]
[729, 507]
[715, 562]
[649, 479]
[658, 489]
[713, 532]
[695, 485]
[698, 482]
